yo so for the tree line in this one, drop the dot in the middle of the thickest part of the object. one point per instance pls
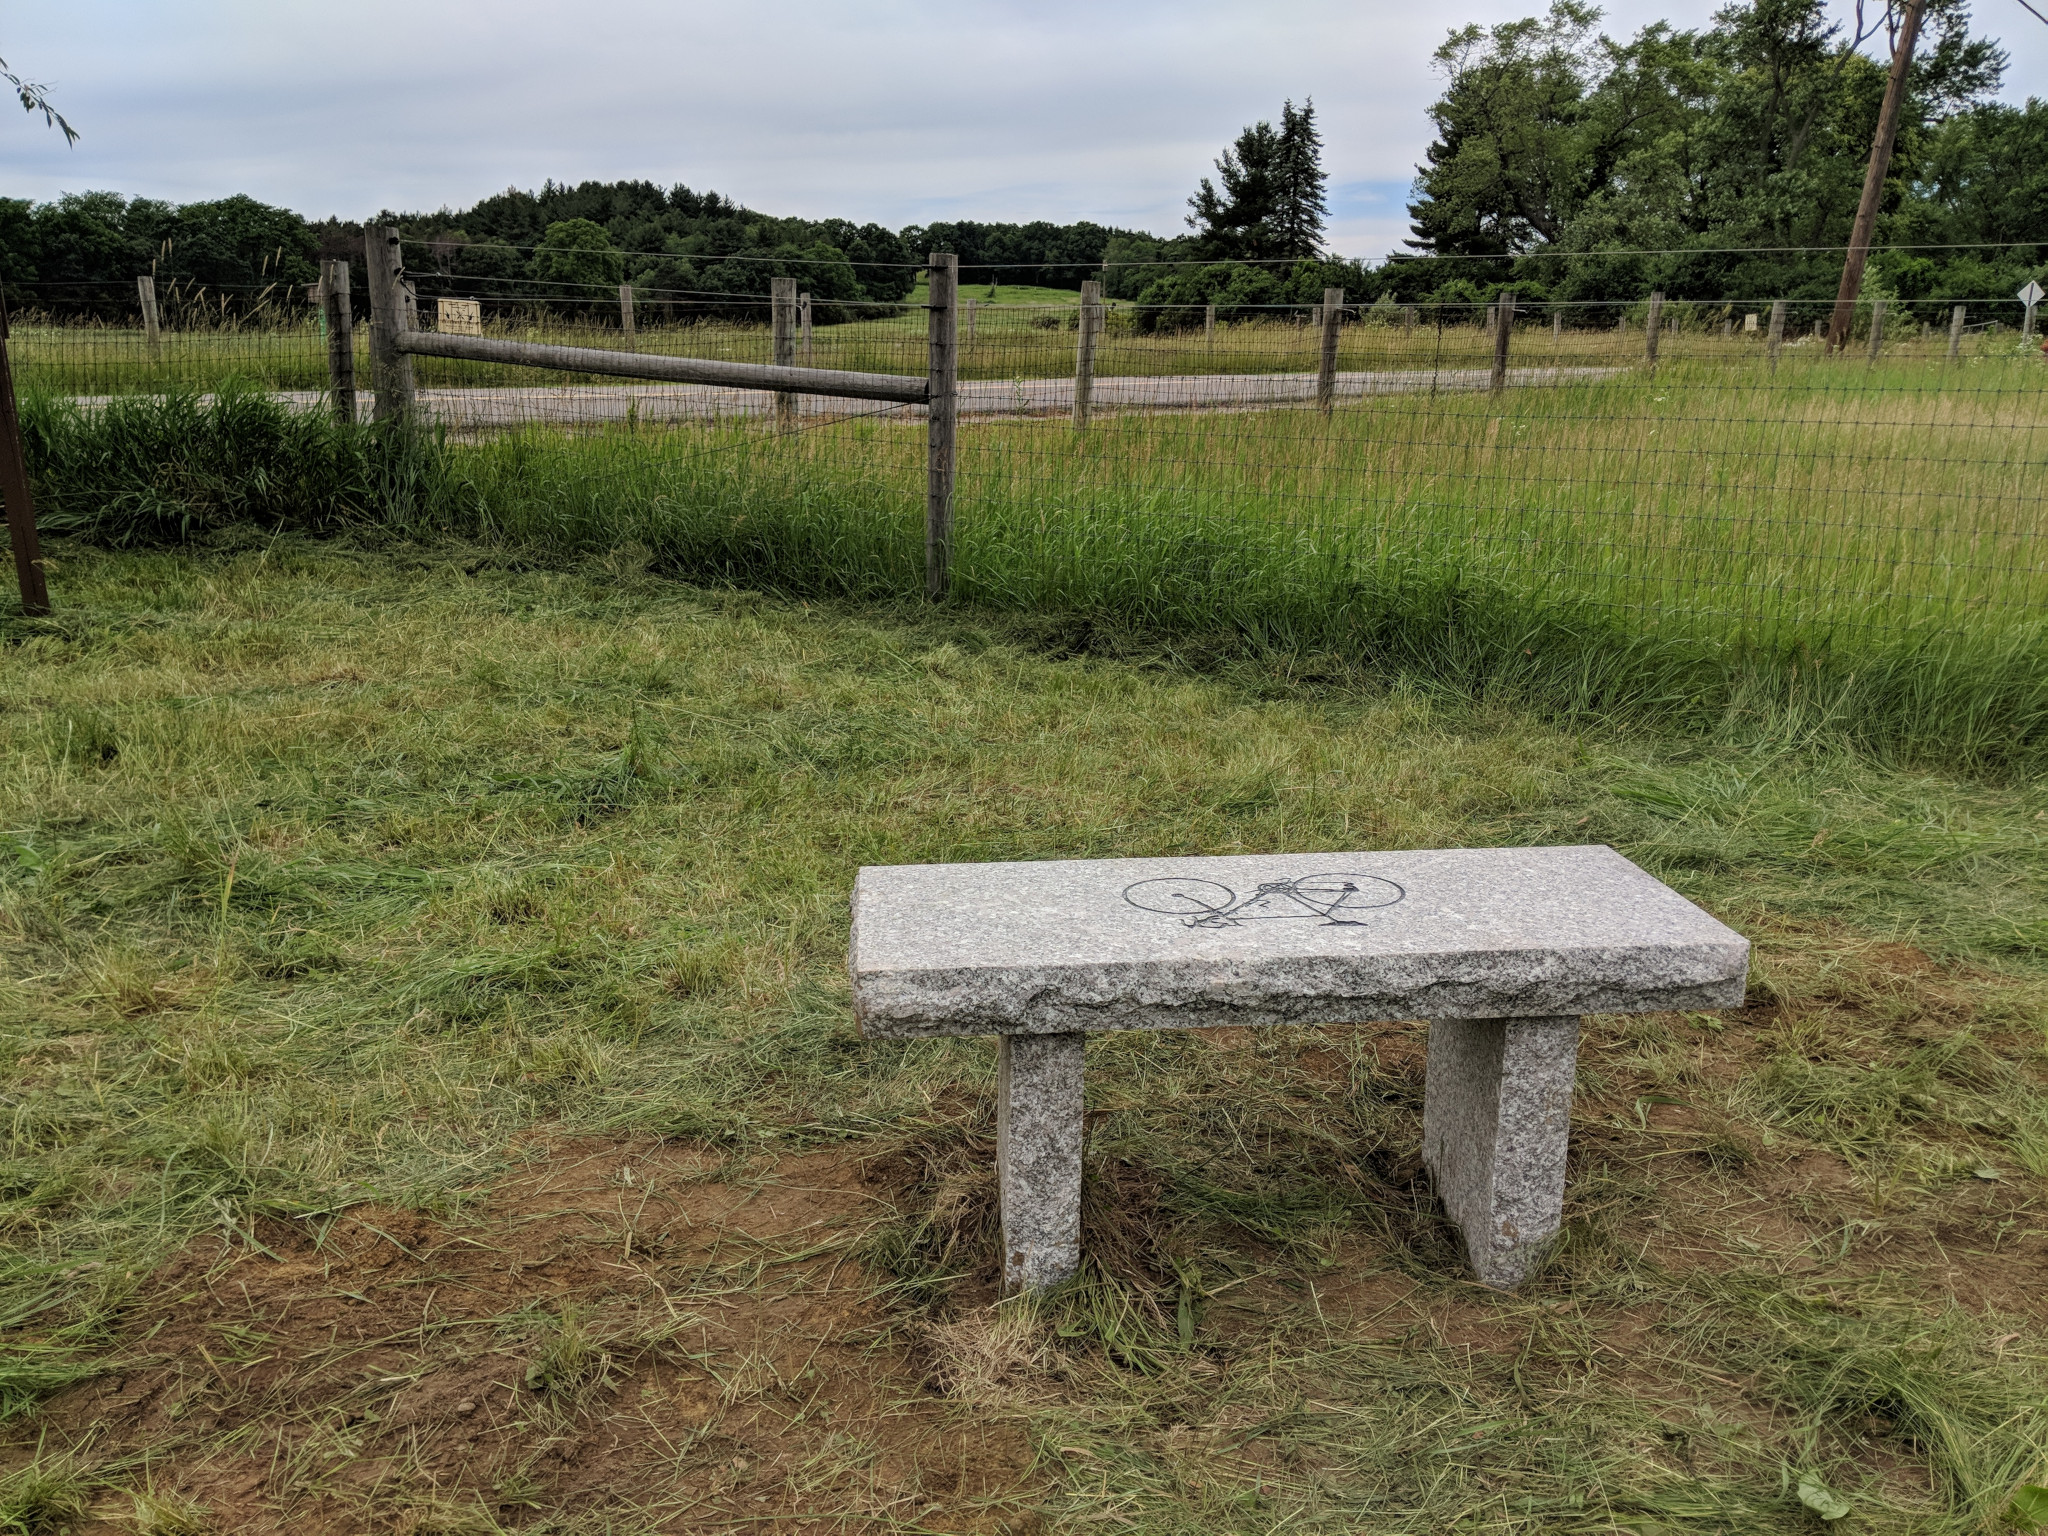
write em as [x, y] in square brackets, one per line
[563, 247]
[1722, 163]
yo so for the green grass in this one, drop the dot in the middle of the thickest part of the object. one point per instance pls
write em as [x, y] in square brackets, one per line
[1833, 547]
[1696, 549]
[334, 874]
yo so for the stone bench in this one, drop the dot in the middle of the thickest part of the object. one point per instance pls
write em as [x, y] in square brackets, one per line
[1501, 950]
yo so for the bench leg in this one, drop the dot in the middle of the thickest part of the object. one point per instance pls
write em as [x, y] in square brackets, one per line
[1038, 1158]
[1496, 1113]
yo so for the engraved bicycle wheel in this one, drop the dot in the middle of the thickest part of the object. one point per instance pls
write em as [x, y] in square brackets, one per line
[1337, 897]
[1180, 897]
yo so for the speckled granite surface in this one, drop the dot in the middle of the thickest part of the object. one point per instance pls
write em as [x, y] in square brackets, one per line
[1070, 945]
[1496, 1116]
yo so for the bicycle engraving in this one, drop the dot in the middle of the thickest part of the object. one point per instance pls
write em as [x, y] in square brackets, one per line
[1207, 904]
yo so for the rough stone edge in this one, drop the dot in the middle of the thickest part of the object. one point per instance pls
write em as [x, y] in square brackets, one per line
[1065, 1000]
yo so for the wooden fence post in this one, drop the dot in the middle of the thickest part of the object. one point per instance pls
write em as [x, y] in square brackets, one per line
[1653, 324]
[1326, 362]
[1776, 339]
[341, 340]
[1557, 325]
[782, 325]
[1876, 328]
[1209, 325]
[626, 310]
[1955, 330]
[1407, 321]
[1503, 327]
[942, 376]
[21, 508]
[145, 286]
[1084, 353]
[803, 325]
[390, 369]
[967, 305]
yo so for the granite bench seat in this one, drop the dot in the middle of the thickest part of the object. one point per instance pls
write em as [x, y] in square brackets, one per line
[1501, 950]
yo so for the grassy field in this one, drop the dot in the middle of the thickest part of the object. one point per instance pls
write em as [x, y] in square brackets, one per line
[1847, 546]
[433, 1105]
[1858, 554]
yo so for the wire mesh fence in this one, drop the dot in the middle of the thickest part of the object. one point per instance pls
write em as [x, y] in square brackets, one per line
[1669, 485]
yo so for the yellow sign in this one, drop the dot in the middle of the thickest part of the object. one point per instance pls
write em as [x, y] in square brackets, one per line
[459, 317]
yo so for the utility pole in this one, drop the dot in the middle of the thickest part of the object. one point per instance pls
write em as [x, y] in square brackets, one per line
[1873, 176]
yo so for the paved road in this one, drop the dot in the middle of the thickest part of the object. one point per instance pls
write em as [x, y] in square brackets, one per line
[473, 410]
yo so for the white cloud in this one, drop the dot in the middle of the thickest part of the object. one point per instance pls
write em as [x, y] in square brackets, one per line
[899, 111]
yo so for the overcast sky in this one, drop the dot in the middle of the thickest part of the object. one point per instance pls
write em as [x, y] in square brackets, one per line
[900, 111]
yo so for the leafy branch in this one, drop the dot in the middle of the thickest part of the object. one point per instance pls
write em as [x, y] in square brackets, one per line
[35, 98]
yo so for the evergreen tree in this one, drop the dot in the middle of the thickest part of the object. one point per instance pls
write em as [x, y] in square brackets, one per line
[1272, 203]
[1237, 221]
[1299, 204]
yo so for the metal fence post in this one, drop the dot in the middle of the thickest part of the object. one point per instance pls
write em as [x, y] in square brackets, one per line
[145, 288]
[782, 318]
[1326, 364]
[21, 509]
[390, 369]
[341, 340]
[1084, 353]
[1955, 330]
[1777, 336]
[1503, 326]
[942, 373]
[1653, 324]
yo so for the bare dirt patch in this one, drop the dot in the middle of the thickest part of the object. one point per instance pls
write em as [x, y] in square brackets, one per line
[632, 1328]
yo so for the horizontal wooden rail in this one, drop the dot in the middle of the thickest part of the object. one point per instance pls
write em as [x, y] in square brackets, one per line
[900, 389]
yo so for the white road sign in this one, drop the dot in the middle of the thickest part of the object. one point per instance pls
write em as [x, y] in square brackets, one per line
[2032, 294]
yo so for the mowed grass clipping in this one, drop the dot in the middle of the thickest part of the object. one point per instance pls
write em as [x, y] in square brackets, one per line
[353, 899]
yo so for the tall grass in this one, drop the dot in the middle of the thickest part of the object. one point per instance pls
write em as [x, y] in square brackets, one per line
[1833, 548]
[154, 469]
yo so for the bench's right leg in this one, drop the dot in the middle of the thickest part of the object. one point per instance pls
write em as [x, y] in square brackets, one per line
[1038, 1158]
[1496, 1113]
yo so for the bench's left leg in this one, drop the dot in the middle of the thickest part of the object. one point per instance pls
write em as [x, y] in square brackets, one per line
[1038, 1158]
[1496, 1114]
